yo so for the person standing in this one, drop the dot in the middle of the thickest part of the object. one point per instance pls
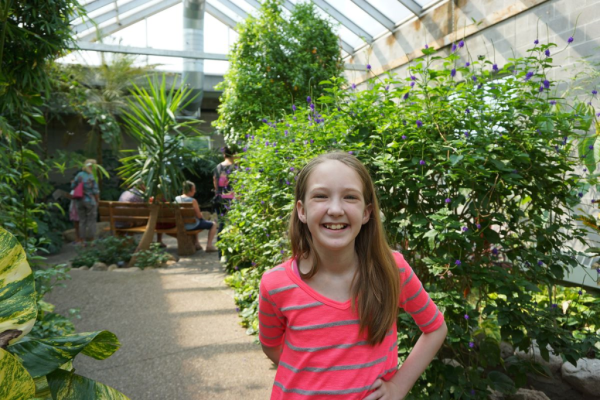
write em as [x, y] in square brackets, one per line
[87, 205]
[223, 190]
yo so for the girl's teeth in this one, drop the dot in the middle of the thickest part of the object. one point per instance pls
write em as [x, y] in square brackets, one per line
[334, 227]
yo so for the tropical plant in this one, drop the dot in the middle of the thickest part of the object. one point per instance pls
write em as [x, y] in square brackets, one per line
[464, 154]
[108, 250]
[161, 157]
[275, 62]
[154, 257]
[41, 367]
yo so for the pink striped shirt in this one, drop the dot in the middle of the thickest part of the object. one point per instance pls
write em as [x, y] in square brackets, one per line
[324, 356]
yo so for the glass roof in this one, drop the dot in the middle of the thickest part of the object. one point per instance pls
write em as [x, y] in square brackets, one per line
[158, 24]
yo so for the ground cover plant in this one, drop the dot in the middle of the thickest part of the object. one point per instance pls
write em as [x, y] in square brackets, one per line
[478, 168]
[109, 250]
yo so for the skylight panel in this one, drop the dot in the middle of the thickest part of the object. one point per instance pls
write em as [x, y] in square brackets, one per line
[392, 9]
[358, 16]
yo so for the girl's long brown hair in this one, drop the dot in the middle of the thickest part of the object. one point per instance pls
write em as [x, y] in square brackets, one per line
[376, 286]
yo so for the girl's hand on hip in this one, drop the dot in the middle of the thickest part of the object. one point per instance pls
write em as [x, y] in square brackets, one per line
[384, 391]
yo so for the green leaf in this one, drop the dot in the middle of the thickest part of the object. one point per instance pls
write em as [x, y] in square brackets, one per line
[66, 385]
[17, 288]
[42, 356]
[15, 382]
[501, 382]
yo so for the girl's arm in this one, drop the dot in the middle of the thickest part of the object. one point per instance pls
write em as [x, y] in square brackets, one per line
[417, 361]
[273, 353]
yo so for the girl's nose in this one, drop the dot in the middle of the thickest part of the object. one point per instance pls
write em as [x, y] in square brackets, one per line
[335, 208]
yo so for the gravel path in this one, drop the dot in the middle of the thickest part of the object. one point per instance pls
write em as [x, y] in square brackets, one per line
[179, 331]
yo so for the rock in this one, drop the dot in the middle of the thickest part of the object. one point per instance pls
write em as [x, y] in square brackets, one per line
[495, 395]
[83, 268]
[451, 362]
[506, 350]
[555, 361]
[585, 376]
[99, 266]
[170, 263]
[554, 387]
[112, 267]
[528, 394]
[171, 257]
[132, 269]
[69, 235]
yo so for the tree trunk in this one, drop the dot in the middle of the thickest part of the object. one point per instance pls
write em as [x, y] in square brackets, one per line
[148, 234]
[185, 242]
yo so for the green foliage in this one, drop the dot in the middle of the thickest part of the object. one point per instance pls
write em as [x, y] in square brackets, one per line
[109, 250]
[274, 63]
[464, 165]
[154, 257]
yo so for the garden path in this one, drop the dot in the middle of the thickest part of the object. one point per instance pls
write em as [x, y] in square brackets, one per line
[178, 327]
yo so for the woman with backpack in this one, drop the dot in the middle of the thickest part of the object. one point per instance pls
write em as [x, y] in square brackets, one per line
[223, 191]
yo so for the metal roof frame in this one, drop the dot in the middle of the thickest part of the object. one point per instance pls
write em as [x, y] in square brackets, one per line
[375, 14]
[233, 7]
[413, 6]
[342, 19]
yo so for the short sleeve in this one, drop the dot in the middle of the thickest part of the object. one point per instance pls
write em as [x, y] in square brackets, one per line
[415, 300]
[270, 320]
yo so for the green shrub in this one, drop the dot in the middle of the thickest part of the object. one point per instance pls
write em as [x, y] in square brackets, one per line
[110, 250]
[477, 170]
[152, 258]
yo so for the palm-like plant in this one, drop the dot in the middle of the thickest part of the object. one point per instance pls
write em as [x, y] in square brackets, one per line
[162, 156]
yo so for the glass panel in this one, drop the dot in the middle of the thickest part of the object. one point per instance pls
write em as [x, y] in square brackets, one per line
[225, 10]
[392, 9]
[358, 16]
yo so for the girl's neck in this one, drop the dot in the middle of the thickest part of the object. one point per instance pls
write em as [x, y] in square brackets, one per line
[333, 263]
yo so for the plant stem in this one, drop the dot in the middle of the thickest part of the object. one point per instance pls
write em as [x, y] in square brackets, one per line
[3, 38]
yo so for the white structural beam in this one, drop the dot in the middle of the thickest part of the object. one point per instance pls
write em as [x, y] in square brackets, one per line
[289, 5]
[233, 7]
[94, 5]
[413, 6]
[357, 30]
[254, 3]
[147, 51]
[125, 22]
[90, 23]
[375, 14]
[221, 16]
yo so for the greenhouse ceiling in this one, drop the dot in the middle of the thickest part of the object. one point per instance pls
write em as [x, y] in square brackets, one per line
[360, 21]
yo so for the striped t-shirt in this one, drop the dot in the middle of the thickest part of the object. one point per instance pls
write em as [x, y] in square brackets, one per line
[324, 356]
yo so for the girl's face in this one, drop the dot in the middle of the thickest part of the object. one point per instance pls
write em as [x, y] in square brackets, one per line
[334, 207]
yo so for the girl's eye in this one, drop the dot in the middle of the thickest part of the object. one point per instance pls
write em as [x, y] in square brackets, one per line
[352, 197]
[320, 196]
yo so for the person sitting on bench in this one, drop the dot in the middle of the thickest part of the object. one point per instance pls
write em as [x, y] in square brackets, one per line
[189, 189]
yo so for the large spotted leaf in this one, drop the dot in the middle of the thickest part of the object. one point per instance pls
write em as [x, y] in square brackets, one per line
[66, 385]
[43, 356]
[15, 382]
[17, 291]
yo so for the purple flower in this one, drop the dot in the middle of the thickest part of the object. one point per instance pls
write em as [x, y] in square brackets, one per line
[580, 194]
[554, 305]
[405, 96]
[464, 229]
[570, 39]
[387, 88]
[426, 46]
[267, 143]
[453, 47]
[495, 67]
[312, 141]
[293, 107]
[467, 317]
[453, 72]
[552, 102]
[237, 309]
[478, 226]
[472, 392]
[412, 77]
[536, 41]
[312, 106]
[598, 270]
[591, 147]
[580, 292]
[403, 137]
[471, 344]
[448, 200]
[474, 78]
[285, 132]
[308, 99]
[585, 170]
[594, 92]
[287, 182]
[467, 64]
[282, 252]
[265, 121]
[467, 111]
[540, 263]
[547, 52]
[354, 86]
[495, 251]
[419, 123]
[461, 44]
[541, 89]
[546, 83]
[369, 67]
[262, 202]
[412, 84]
[457, 262]
[528, 76]
[247, 169]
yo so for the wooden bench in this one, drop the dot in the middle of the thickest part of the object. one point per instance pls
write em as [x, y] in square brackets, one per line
[139, 213]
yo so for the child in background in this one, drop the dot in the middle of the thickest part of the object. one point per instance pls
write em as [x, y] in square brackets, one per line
[327, 316]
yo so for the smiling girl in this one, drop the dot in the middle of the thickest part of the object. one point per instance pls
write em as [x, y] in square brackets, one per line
[328, 315]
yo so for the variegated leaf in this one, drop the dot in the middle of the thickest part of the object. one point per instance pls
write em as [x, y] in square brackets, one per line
[66, 385]
[15, 382]
[42, 356]
[17, 289]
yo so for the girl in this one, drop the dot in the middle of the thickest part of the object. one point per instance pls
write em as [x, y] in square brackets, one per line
[328, 315]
